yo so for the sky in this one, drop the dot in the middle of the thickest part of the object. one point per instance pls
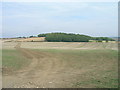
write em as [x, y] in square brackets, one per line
[33, 18]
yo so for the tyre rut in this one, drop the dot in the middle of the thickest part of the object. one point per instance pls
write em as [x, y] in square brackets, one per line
[40, 72]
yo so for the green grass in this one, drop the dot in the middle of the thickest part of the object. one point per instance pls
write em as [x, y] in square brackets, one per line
[100, 79]
[99, 66]
[13, 59]
[105, 83]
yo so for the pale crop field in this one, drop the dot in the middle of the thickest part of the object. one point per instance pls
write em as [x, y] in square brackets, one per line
[62, 45]
[60, 65]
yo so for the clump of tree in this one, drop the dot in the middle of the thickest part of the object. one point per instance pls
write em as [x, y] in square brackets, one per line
[64, 37]
[42, 35]
[22, 37]
[31, 36]
[100, 39]
[70, 37]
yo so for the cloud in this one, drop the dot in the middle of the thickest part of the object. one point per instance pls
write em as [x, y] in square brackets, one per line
[60, 1]
[97, 19]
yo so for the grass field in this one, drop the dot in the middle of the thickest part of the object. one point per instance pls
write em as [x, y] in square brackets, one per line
[13, 60]
[95, 68]
[53, 67]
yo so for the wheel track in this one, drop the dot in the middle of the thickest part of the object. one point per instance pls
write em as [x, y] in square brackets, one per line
[49, 67]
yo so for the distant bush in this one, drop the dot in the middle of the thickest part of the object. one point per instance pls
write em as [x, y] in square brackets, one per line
[42, 35]
[64, 37]
[99, 39]
[31, 36]
[70, 37]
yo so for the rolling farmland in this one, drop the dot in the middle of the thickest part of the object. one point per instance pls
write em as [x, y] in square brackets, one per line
[59, 65]
[59, 44]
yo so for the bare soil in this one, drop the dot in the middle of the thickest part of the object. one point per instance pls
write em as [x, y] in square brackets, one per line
[33, 77]
[48, 71]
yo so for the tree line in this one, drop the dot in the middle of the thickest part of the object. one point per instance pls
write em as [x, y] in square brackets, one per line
[70, 37]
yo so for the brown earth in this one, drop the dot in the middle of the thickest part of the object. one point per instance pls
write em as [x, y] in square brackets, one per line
[32, 39]
[32, 76]
[48, 71]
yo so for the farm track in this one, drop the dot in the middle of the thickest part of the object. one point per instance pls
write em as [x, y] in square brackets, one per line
[47, 70]
[39, 73]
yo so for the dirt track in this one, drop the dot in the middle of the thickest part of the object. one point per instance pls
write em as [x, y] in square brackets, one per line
[42, 72]
[49, 70]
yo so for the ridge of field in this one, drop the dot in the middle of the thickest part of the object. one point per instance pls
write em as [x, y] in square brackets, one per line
[62, 45]
[35, 39]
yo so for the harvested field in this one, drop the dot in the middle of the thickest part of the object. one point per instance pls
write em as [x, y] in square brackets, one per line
[60, 65]
[32, 39]
[62, 45]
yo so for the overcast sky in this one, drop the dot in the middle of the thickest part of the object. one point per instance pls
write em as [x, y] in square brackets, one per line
[32, 18]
